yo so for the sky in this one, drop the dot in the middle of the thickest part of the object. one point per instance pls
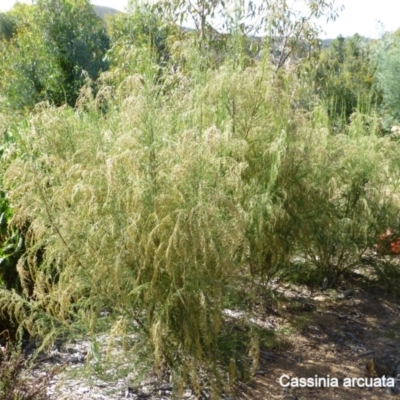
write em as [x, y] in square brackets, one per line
[368, 18]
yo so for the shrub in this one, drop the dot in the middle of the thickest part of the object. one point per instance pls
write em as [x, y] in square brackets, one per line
[17, 381]
[388, 65]
[157, 208]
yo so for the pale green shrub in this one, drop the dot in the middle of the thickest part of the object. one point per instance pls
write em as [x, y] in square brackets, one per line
[154, 200]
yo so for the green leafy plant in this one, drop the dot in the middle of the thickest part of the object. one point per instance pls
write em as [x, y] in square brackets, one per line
[345, 79]
[165, 189]
[388, 63]
[52, 43]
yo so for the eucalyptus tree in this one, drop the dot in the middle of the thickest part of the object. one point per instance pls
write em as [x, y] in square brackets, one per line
[292, 23]
[295, 25]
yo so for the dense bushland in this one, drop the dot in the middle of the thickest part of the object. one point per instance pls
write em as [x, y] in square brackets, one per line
[44, 50]
[345, 78]
[175, 181]
[387, 61]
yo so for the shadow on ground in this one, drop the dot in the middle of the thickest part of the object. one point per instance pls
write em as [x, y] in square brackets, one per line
[331, 334]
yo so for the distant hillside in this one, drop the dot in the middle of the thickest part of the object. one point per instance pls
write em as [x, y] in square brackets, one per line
[326, 43]
[103, 11]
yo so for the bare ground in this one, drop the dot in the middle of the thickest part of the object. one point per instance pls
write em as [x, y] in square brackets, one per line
[337, 333]
[313, 333]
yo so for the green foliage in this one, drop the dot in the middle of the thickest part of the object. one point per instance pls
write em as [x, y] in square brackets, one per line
[344, 216]
[141, 26]
[174, 178]
[292, 29]
[168, 261]
[26, 65]
[141, 41]
[77, 38]
[154, 209]
[388, 274]
[53, 43]
[12, 248]
[345, 78]
[7, 26]
[388, 67]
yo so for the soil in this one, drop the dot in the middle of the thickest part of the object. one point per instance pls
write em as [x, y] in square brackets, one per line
[334, 333]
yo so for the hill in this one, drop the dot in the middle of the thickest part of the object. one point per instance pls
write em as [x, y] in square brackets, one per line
[103, 11]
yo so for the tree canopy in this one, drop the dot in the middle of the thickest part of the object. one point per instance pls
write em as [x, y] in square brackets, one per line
[48, 47]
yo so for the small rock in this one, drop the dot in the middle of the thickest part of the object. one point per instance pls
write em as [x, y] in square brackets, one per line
[346, 294]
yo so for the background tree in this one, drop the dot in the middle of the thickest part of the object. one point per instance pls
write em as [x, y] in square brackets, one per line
[52, 43]
[388, 69]
[29, 72]
[294, 30]
[288, 27]
[7, 26]
[345, 78]
[77, 37]
[141, 27]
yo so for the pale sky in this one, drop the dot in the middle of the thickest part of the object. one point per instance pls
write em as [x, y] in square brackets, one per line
[366, 17]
